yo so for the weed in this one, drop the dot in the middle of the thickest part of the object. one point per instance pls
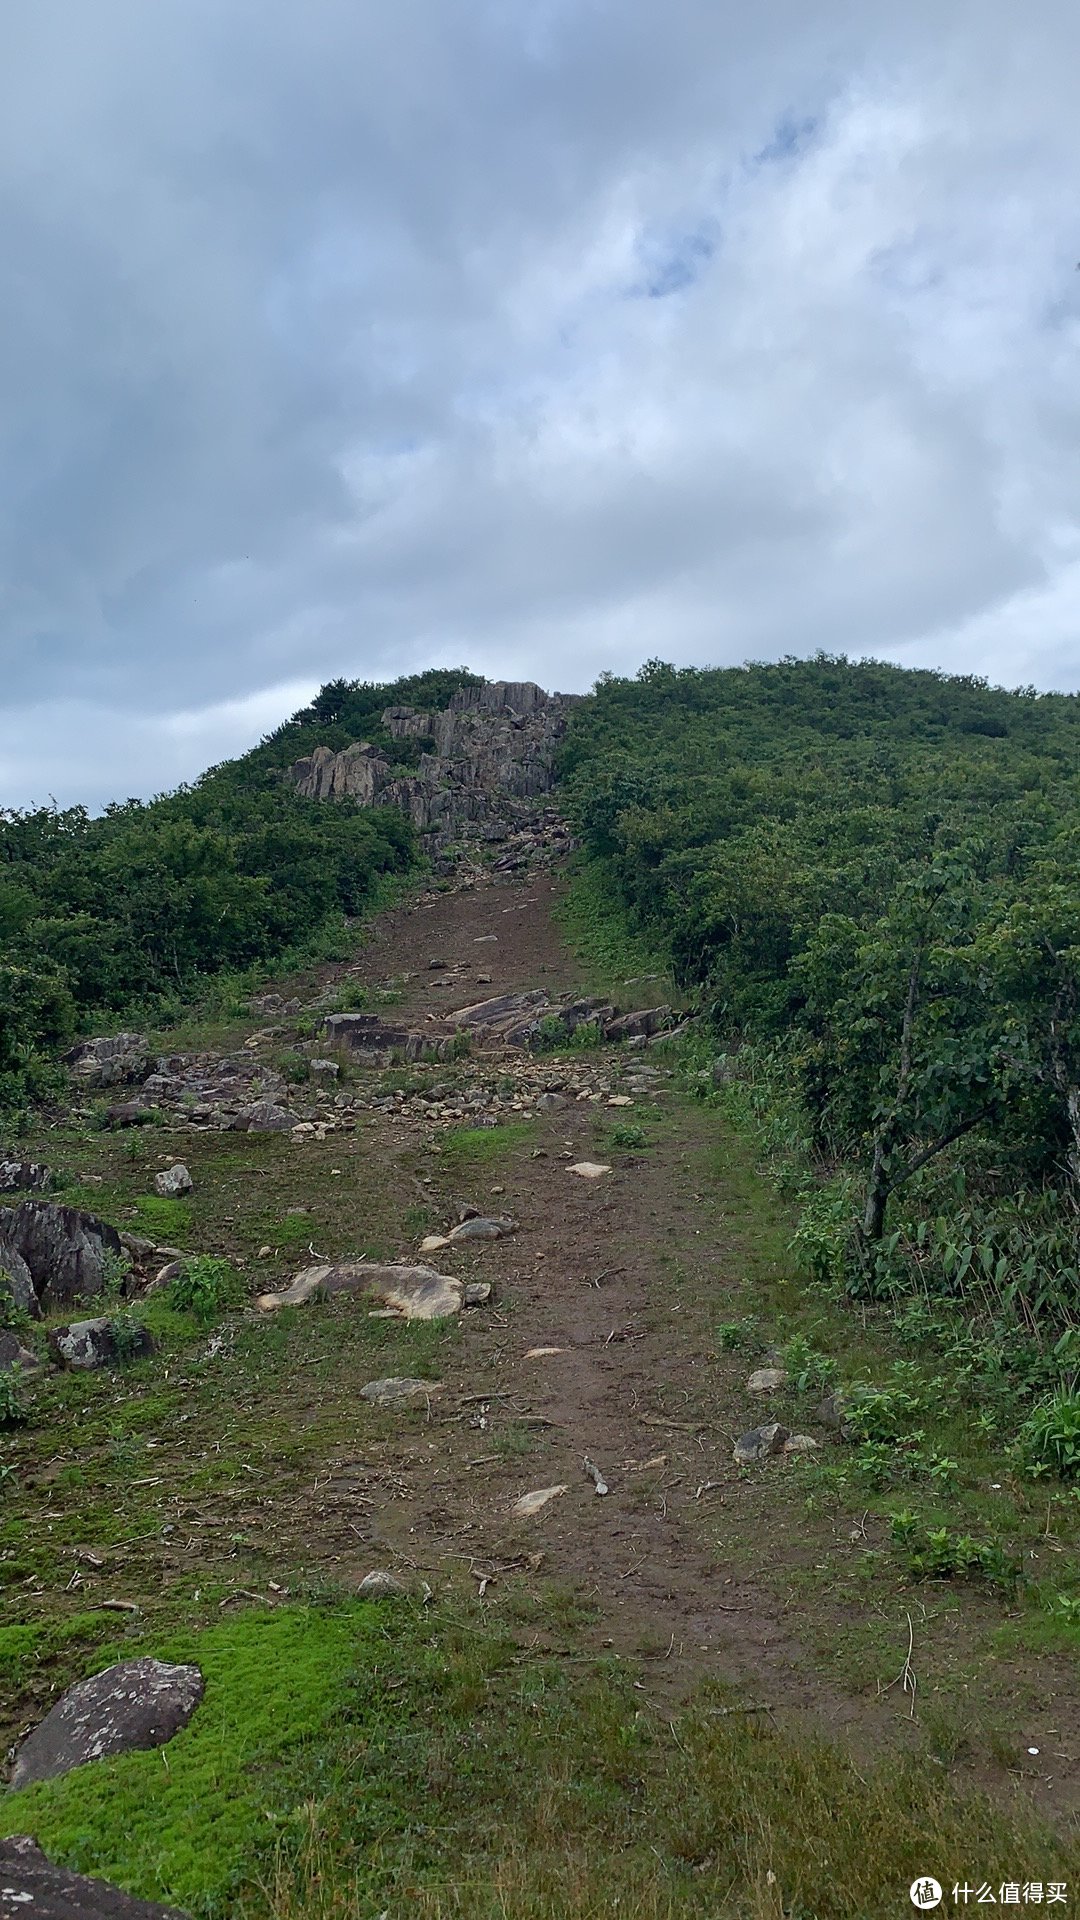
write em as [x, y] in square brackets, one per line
[810, 1371]
[739, 1336]
[1049, 1441]
[626, 1134]
[13, 1409]
[204, 1288]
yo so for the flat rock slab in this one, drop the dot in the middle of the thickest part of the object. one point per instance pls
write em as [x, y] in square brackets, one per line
[30, 1885]
[767, 1380]
[400, 1393]
[138, 1704]
[588, 1169]
[409, 1293]
[480, 1227]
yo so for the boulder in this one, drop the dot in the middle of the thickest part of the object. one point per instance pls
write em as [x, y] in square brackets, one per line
[761, 1443]
[138, 1704]
[88, 1344]
[30, 1885]
[23, 1176]
[174, 1182]
[477, 1227]
[111, 1060]
[324, 1069]
[64, 1250]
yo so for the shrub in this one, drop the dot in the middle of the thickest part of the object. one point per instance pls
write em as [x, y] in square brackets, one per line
[127, 1334]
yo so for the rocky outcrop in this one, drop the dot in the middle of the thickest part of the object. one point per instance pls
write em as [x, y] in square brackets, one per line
[492, 756]
[86, 1345]
[110, 1060]
[62, 1252]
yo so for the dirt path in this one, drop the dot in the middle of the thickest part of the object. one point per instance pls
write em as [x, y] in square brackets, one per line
[686, 1563]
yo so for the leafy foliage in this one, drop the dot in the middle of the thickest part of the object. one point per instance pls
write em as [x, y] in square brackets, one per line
[137, 910]
[868, 877]
[205, 1287]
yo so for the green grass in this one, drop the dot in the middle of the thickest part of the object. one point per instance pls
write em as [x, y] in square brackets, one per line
[615, 955]
[470, 1149]
[346, 1761]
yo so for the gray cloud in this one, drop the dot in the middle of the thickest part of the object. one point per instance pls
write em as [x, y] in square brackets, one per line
[356, 340]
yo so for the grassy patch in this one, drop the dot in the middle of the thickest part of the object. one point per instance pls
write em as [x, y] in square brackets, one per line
[468, 1149]
[620, 960]
[346, 1761]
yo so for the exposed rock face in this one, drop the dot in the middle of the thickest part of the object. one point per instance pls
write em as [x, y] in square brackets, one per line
[493, 752]
[506, 1020]
[109, 1061]
[141, 1703]
[30, 1884]
[61, 1251]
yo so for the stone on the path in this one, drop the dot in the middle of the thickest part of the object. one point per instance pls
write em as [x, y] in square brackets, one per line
[477, 1293]
[588, 1169]
[31, 1885]
[263, 1116]
[542, 1353]
[800, 1443]
[767, 1380]
[476, 1227]
[761, 1443]
[87, 1344]
[110, 1060]
[138, 1704]
[620, 1100]
[23, 1176]
[531, 1503]
[62, 1250]
[548, 1102]
[400, 1393]
[381, 1585]
[408, 1293]
[173, 1182]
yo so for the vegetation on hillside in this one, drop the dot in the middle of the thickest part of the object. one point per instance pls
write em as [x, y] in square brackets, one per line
[869, 875]
[133, 911]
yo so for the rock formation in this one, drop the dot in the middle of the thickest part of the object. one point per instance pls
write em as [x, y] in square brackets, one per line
[491, 758]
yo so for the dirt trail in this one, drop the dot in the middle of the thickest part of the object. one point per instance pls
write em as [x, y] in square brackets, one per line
[626, 1276]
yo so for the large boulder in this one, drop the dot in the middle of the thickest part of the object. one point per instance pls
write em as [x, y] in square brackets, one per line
[137, 1704]
[31, 1885]
[407, 1293]
[64, 1251]
[640, 1025]
[111, 1060]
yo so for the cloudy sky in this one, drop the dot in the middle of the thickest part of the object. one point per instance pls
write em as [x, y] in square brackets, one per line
[541, 335]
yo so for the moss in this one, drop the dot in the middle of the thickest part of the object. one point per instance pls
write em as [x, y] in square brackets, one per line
[179, 1823]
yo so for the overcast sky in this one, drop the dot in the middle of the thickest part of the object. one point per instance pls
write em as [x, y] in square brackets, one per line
[539, 335]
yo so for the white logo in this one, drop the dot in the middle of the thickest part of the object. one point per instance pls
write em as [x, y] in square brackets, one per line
[925, 1892]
